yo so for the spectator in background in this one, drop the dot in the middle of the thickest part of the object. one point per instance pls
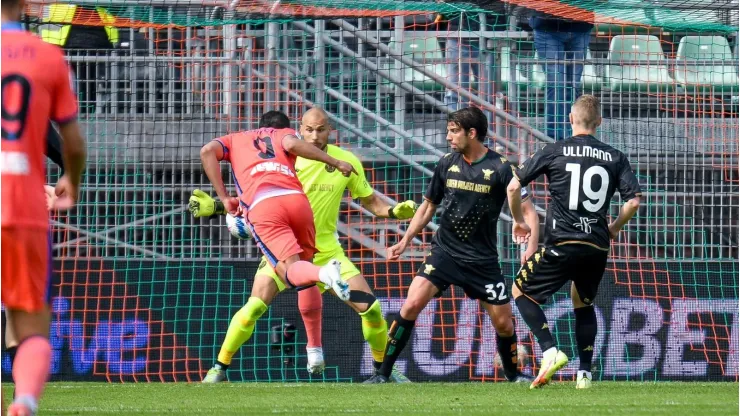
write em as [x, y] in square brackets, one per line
[557, 39]
[462, 53]
[90, 40]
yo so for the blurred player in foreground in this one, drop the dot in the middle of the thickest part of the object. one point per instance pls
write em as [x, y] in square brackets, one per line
[36, 88]
[280, 220]
[583, 174]
[472, 183]
[54, 153]
[325, 188]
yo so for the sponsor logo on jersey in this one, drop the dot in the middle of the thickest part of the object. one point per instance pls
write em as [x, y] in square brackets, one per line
[453, 168]
[321, 187]
[585, 224]
[329, 169]
[468, 186]
[487, 174]
[272, 167]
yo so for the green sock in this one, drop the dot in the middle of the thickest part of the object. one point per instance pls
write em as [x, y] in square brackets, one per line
[241, 328]
[375, 330]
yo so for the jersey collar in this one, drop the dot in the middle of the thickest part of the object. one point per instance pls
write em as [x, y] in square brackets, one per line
[12, 27]
[480, 159]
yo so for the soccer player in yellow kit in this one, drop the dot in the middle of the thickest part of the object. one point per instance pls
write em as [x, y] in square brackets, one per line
[324, 187]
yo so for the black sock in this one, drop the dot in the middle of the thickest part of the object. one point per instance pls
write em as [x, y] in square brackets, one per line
[376, 365]
[398, 336]
[585, 335]
[508, 353]
[221, 366]
[536, 321]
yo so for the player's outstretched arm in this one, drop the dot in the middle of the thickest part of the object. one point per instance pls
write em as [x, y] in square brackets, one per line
[629, 209]
[423, 215]
[305, 150]
[381, 209]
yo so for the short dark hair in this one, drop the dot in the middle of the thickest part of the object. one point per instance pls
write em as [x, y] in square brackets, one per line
[275, 119]
[470, 118]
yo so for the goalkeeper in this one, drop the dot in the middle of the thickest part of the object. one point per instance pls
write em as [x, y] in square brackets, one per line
[324, 187]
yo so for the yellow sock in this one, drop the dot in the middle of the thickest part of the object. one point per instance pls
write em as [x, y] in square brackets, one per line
[375, 330]
[241, 328]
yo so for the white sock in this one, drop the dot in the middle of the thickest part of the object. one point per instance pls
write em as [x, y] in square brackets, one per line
[549, 354]
[29, 402]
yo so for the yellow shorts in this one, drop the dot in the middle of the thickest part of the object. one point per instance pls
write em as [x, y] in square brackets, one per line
[349, 270]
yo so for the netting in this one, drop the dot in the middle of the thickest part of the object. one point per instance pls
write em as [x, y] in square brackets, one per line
[145, 292]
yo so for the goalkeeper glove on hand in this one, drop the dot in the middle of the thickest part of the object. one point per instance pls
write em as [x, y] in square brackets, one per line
[403, 210]
[202, 205]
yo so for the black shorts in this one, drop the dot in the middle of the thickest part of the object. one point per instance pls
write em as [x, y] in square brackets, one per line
[551, 267]
[481, 281]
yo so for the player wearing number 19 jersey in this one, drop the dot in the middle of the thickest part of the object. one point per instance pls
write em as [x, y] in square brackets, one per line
[583, 174]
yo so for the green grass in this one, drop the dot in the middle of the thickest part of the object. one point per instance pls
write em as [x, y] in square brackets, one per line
[421, 398]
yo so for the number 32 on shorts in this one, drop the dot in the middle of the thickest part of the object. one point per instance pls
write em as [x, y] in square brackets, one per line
[491, 289]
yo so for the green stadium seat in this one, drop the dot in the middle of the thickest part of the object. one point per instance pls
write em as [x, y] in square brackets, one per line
[521, 81]
[428, 54]
[706, 78]
[590, 81]
[650, 77]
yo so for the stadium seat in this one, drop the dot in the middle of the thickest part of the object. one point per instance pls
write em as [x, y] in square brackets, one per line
[637, 78]
[521, 80]
[705, 78]
[428, 54]
[590, 80]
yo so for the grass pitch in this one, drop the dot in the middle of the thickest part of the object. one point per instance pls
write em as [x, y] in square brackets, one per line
[410, 399]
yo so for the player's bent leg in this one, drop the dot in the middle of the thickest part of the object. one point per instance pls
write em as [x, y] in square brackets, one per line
[242, 325]
[502, 319]
[421, 291]
[586, 329]
[552, 358]
[374, 325]
[299, 273]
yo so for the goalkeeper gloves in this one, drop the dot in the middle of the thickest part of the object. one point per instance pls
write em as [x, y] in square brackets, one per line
[403, 210]
[202, 205]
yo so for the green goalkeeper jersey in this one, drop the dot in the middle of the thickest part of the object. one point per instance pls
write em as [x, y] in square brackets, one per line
[325, 186]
